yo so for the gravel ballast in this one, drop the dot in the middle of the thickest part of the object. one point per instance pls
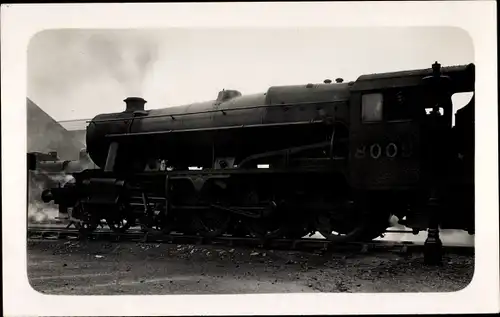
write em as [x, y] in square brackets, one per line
[87, 268]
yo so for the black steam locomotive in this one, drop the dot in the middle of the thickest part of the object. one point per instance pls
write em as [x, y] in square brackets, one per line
[339, 158]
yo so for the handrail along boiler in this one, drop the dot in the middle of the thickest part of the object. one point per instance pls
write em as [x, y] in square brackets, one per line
[342, 157]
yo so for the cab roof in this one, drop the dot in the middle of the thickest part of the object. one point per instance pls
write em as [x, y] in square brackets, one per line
[463, 77]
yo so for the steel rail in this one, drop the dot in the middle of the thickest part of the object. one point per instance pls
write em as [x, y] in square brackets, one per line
[303, 244]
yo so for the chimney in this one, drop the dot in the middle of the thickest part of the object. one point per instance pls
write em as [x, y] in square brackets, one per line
[134, 104]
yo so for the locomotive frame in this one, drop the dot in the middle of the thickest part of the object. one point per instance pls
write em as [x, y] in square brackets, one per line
[342, 158]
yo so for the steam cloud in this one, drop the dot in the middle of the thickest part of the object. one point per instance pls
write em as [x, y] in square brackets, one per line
[448, 236]
[127, 59]
[38, 211]
[104, 66]
[40, 180]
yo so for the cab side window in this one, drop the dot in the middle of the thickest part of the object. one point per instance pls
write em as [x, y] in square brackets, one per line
[372, 107]
[390, 105]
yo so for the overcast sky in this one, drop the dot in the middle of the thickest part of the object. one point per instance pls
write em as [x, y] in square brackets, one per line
[77, 74]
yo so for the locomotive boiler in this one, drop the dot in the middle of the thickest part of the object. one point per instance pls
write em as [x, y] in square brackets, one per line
[339, 158]
[232, 126]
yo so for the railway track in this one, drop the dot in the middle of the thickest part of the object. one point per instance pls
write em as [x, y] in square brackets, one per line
[51, 233]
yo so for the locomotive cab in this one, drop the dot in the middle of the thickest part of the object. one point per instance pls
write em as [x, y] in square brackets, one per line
[402, 143]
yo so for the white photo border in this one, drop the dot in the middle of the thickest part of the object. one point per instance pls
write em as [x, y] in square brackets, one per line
[21, 22]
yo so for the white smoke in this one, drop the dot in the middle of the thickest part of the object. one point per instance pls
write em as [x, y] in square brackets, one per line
[448, 236]
[127, 59]
[38, 211]
[39, 180]
[106, 66]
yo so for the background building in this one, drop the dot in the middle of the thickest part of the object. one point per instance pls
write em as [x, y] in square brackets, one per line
[46, 135]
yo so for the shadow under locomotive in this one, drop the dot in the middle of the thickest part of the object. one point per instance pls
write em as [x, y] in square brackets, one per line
[341, 159]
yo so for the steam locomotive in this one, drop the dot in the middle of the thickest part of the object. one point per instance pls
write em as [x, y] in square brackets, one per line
[339, 158]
